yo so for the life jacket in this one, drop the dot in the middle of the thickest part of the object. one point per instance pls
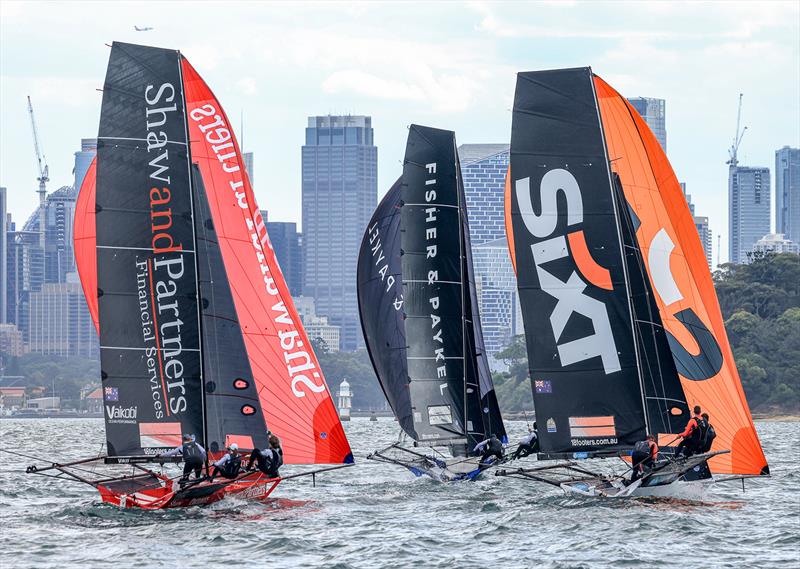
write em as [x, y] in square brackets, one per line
[641, 452]
[708, 439]
[495, 446]
[699, 432]
[192, 453]
[231, 468]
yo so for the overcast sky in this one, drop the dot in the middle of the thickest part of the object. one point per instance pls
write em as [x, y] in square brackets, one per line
[450, 65]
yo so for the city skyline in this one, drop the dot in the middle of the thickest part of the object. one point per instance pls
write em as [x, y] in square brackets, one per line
[461, 80]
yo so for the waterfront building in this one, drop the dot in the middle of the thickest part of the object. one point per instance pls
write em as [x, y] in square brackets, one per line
[776, 243]
[787, 192]
[60, 323]
[654, 113]
[339, 194]
[317, 327]
[748, 209]
[83, 159]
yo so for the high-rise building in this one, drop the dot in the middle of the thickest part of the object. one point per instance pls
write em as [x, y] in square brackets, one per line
[497, 295]
[60, 323]
[83, 160]
[248, 167]
[59, 219]
[24, 275]
[286, 243]
[3, 247]
[654, 113]
[340, 190]
[483, 169]
[787, 192]
[701, 223]
[748, 209]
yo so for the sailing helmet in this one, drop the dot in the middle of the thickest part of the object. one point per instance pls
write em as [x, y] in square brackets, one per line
[233, 446]
[188, 438]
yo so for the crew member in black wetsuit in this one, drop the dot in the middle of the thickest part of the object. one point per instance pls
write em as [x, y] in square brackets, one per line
[489, 448]
[268, 460]
[194, 457]
[229, 465]
[528, 445]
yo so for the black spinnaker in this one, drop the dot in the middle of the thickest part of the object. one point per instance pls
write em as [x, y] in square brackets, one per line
[418, 302]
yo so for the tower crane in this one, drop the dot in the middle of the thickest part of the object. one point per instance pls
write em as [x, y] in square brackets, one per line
[737, 137]
[44, 172]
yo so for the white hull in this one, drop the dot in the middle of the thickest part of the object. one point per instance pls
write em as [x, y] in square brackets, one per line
[695, 490]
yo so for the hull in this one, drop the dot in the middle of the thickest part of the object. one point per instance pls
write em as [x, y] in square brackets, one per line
[454, 470]
[253, 486]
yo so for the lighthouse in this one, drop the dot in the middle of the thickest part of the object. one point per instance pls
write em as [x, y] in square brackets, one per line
[345, 400]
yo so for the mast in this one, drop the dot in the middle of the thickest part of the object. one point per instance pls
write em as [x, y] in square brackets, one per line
[615, 201]
[462, 263]
[192, 193]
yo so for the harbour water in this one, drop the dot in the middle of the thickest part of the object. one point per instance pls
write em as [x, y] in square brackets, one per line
[377, 515]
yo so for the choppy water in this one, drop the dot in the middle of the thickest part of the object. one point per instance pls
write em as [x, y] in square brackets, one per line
[376, 515]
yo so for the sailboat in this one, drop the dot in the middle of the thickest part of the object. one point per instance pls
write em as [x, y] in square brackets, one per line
[623, 329]
[198, 331]
[419, 315]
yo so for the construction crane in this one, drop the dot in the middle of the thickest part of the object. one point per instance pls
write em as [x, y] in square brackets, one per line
[44, 171]
[737, 137]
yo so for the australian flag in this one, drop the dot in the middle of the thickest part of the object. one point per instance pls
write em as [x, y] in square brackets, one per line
[543, 386]
[111, 393]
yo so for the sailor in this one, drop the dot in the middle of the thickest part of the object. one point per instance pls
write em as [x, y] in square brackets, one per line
[489, 447]
[692, 434]
[528, 445]
[268, 460]
[229, 465]
[644, 455]
[194, 457]
[707, 437]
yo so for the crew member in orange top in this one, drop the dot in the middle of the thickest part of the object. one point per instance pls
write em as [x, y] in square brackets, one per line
[692, 434]
[644, 455]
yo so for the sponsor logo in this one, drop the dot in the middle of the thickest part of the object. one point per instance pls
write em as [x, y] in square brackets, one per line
[119, 414]
[551, 425]
[376, 246]
[301, 365]
[111, 393]
[570, 294]
[543, 386]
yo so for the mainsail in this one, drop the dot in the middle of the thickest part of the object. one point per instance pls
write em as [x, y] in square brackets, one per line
[418, 304]
[605, 248]
[198, 330]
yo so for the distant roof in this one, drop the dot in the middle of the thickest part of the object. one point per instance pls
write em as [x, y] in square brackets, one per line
[12, 390]
[96, 394]
[468, 153]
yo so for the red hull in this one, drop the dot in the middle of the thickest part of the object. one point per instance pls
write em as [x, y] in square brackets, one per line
[254, 486]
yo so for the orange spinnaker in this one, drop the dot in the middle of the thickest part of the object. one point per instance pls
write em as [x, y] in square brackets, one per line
[84, 240]
[653, 191]
[509, 226]
[297, 406]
